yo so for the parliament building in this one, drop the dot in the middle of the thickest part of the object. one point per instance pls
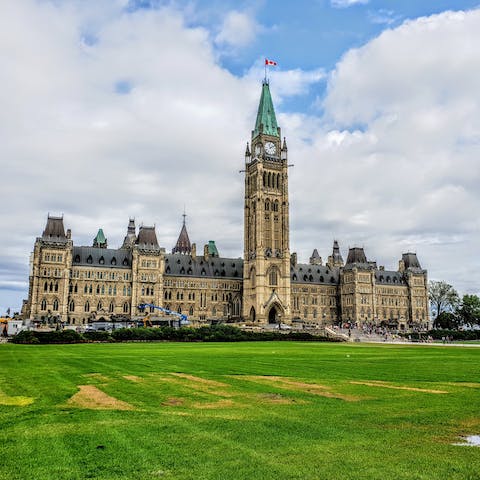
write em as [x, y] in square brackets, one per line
[78, 284]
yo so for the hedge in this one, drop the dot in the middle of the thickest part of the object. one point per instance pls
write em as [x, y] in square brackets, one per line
[216, 333]
[440, 334]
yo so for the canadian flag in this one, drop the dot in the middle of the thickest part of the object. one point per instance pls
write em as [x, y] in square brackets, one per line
[270, 62]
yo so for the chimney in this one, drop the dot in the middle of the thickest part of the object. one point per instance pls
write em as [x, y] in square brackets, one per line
[69, 234]
[401, 266]
[205, 252]
[194, 251]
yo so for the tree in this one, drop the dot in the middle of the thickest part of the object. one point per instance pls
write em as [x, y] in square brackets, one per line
[443, 297]
[447, 321]
[469, 310]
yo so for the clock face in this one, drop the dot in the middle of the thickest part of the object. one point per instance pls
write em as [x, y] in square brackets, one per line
[270, 148]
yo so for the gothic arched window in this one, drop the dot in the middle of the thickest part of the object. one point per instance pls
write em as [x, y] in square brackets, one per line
[87, 306]
[55, 305]
[43, 305]
[273, 277]
[71, 306]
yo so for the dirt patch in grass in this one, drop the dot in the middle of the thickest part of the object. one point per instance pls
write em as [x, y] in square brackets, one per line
[463, 384]
[204, 381]
[203, 385]
[96, 376]
[278, 399]
[224, 403]
[173, 402]
[133, 378]
[291, 384]
[16, 401]
[92, 398]
[375, 383]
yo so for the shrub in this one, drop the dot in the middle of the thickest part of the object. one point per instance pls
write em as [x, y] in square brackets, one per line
[98, 336]
[32, 337]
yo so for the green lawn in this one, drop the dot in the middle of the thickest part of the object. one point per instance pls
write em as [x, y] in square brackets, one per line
[209, 411]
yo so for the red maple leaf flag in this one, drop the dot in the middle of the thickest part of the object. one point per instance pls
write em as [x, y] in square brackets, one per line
[270, 62]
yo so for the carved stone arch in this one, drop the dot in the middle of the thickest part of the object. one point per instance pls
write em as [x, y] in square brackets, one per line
[274, 314]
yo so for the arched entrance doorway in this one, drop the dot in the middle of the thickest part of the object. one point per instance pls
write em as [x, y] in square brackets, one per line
[273, 316]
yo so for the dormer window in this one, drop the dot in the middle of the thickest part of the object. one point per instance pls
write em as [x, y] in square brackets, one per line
[101, 261]
[113, 261]
[89, 259]
[77, 259]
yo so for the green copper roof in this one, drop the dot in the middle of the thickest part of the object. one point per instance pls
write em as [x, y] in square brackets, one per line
[212, 248]
[266, 114]
[100, 238]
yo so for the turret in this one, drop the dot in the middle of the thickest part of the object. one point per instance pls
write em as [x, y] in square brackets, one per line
[335, 259]
[100, 241]
[131, 236]
[248, 155]
[315, 259]
[183, 244]
[284, 152]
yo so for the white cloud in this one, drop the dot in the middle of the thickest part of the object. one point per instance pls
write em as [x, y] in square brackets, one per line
[347, 3]
[238, 29]
[383, 16]
[395, 160]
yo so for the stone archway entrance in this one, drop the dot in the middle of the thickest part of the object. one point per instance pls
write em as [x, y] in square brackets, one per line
[273, 316]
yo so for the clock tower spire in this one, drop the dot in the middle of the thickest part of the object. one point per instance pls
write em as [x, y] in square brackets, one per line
[266, 244]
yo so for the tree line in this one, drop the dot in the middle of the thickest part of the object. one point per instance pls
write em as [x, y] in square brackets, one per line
[449, 310]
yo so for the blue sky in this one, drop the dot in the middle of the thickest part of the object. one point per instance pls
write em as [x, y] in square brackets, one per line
[304, 33]
[119, 108]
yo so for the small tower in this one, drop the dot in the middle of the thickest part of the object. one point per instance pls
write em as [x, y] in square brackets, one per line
[183, 244]
[335, 259]
[100, 241]
[129, 240]
[315, 259]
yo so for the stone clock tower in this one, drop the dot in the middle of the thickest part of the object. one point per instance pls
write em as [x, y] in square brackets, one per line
[266, 285]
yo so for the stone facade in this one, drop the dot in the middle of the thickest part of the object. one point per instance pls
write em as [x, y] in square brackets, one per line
[82, 283]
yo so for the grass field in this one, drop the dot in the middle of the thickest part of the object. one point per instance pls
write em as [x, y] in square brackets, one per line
[238, 411]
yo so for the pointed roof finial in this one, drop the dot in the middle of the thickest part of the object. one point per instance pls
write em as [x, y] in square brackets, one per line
[183, 244]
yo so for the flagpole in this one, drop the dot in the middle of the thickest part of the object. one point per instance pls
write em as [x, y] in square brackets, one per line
[265, 70]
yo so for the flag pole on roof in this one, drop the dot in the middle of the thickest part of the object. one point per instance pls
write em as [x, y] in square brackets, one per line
[269, 63]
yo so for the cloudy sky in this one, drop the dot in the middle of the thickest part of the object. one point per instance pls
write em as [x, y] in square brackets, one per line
[119, 108]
